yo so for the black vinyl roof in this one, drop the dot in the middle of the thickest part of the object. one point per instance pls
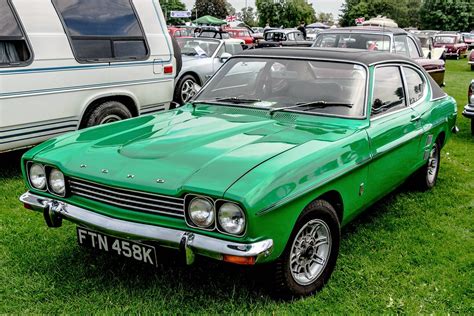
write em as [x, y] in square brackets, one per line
[343, 54]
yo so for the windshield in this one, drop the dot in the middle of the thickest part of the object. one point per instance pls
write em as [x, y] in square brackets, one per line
[469, 36]
[354, 40]
[445, 39]
[197, 46]
[275, 36]
[276, 83]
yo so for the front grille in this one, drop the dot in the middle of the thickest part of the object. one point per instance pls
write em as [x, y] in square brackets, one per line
[128, 199]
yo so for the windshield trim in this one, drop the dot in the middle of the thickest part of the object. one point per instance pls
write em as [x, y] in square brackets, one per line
[366, 91]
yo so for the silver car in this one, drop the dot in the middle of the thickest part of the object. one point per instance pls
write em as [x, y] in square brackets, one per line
[202, 57]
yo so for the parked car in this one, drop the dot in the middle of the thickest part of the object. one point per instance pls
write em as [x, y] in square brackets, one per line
[180, 31]
[281, 37]
[242, 34]
[382, 39]
[471, 60]
[452, 43]
[469, 40]
[79, 64]
[430, 52]
[469, 108]
[278, 150]
[210, 33]
[202, 57]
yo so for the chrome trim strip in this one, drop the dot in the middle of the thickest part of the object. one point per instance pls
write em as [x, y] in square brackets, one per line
[201, 244]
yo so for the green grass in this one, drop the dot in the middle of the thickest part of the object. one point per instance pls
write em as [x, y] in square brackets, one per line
[411, 252]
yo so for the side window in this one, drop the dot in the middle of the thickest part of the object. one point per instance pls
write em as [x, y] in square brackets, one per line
[102, 30]
[299, 37]
[388, 93]
[416, 85]
[221, 50]
[400, 45]
[291, 36]
[412, 49]
[14, 49]
[236, 48]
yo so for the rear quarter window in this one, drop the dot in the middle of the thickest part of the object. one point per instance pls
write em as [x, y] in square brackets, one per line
[103, 30]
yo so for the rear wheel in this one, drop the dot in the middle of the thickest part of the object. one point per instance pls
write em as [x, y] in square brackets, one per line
[311, 253]
[472, 126]
[426, 177]
[107, 112]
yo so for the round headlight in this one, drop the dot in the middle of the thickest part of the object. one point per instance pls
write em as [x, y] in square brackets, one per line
[231, 218]
[56, 182]
[37, 176]
[201, 212]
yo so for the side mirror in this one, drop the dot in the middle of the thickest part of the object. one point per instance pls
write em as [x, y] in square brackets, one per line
[224, 57]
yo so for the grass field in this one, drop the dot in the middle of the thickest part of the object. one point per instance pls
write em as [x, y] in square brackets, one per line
[412, 252]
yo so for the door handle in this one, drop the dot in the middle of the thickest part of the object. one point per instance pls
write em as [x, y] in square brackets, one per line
[415, 118]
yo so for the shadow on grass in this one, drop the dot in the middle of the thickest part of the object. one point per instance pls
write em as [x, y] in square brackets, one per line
[10, 164]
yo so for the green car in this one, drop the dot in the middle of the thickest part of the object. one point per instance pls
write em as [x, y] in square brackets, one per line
[279, 150]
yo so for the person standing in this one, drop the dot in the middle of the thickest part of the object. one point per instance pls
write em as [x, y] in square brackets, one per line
[302, 29]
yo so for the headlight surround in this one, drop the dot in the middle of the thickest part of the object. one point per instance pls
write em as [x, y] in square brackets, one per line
[201, 212]
[37, 176]
[231, 218]
[56, 182]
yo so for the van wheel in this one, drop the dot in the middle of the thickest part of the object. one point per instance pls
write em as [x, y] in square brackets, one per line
[107, 112]
[425, 178]
[311, 253]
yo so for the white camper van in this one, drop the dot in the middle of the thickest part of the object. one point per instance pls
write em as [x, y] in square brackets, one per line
[70, 64]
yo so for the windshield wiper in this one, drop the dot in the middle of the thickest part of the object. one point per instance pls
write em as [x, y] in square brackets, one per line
[237, 100]
[312, 104]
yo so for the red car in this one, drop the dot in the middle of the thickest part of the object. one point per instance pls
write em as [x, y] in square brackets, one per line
[469, 39]
[453, 44]
[180, 31]
[242, 34]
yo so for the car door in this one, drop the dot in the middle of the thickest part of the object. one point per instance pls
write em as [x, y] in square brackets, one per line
[394, 132]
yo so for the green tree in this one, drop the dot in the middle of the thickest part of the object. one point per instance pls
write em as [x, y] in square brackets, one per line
[247, 15]
[286, 13]
[216, 8]
[326, 18]
[404, 12]
[172, 5]
[447, 15]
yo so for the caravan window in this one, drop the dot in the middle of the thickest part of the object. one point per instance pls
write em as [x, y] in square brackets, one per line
[14, 49]
[103, 30]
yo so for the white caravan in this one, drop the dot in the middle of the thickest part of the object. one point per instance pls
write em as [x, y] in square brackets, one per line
[70, 64]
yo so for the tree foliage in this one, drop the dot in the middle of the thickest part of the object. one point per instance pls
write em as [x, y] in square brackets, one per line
[447, 15]
[405, 12]
[326, 18]
[287, 13]
[247, 15]
[216, 8]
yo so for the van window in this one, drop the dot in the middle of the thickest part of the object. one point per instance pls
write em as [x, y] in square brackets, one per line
[13, 46]
[102, 30]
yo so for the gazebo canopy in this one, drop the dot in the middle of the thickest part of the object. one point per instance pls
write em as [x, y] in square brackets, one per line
[207, 19]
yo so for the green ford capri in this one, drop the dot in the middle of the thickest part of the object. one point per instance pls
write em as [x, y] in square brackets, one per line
[279, 150]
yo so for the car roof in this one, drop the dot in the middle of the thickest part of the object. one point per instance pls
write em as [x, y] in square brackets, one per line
[364, 57]
[366, 29]
[286, 31]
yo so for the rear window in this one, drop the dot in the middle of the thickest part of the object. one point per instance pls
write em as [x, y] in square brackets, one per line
[14, 50]
[378, 42]
[106, 29]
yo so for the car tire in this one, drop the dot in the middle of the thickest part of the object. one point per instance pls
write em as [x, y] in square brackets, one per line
[472, 67]
[184, 90]
[426, 176]
[472, 126]
[107, 112]
[317, 224]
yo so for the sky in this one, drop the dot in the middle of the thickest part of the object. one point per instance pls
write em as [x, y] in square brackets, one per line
[328, 6]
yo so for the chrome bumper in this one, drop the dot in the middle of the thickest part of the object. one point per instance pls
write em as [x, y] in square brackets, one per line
[189, 242]
[468, 111]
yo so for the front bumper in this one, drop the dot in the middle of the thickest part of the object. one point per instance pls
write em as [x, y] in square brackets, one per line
[468, 111]
[188, 242]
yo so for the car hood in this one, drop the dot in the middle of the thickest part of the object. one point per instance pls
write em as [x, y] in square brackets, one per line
[179, 151]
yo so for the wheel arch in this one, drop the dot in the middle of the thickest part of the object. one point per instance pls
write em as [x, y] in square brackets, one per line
[192, 73]
[127, 99]
[334, 198]
[441, 138]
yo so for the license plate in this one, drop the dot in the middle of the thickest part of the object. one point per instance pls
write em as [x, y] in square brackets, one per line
[119, 246]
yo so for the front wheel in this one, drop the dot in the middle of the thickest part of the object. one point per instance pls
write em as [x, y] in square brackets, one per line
[185, 89]
[311, 253]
